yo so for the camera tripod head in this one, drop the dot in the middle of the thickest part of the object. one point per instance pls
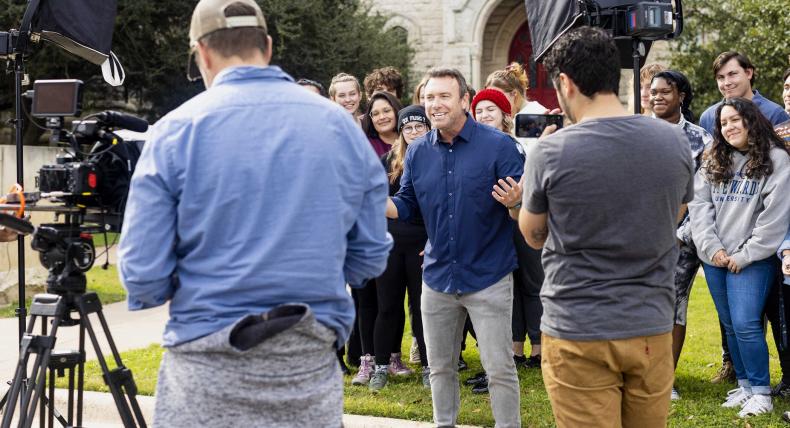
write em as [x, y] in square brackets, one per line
[63, 249]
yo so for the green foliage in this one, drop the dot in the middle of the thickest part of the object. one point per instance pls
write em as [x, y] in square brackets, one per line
[759, 29]
[312, 38]
[320, 38]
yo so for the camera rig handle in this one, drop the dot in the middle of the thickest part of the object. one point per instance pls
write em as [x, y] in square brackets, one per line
[24, 227]
[18, 225]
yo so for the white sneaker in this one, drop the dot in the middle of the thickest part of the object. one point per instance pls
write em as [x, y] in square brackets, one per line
[736, 398]
[675, 394]
[757, 405]
[414, 352]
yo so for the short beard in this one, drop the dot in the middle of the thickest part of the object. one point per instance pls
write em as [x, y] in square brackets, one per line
[565, 108]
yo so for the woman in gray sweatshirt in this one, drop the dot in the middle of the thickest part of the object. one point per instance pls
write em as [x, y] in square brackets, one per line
[739, 217]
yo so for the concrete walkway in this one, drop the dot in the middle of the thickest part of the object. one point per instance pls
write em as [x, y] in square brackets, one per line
[100, 412]
[130, 330]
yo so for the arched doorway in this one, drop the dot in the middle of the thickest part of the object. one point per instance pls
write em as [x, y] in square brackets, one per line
[540, 86]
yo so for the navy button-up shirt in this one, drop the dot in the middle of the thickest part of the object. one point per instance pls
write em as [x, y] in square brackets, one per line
[470, 234]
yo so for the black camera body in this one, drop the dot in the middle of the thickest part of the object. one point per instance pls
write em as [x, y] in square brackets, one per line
[76, 178]
[95, 171]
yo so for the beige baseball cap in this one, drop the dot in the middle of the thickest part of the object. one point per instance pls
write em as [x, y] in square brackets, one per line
[209, 16]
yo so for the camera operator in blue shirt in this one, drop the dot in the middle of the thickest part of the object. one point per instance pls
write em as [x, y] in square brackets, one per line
[252, 205]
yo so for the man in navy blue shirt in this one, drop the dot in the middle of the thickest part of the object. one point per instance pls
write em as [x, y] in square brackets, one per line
[448, 178]
[734, 75]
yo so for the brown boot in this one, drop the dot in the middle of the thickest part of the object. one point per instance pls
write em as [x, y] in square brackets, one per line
[725, 374]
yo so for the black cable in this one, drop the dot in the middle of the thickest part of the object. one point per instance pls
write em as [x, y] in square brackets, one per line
[30, 118]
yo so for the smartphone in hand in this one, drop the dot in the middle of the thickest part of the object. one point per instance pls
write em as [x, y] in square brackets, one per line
[532, 125]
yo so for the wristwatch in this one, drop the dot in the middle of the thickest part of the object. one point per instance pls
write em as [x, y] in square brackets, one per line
[515, 207]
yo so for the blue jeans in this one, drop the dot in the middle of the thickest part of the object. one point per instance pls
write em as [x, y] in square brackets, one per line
[740, 301]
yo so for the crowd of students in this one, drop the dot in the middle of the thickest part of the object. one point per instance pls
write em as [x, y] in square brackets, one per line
[375, 343]
[617, 210]
[735, 228]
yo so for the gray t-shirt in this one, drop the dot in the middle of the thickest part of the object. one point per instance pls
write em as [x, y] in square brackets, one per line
[612, 188]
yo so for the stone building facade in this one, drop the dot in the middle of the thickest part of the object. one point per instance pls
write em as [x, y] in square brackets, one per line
[476, 37]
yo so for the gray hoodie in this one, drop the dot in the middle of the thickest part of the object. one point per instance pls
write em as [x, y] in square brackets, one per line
[746, 218]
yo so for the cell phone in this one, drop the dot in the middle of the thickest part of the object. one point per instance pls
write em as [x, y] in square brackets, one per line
[532, 125]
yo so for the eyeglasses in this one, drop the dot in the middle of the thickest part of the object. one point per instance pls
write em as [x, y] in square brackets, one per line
[409, 129]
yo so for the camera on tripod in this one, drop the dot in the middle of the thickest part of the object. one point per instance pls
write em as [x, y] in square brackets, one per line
[88, 184]
[95, 171]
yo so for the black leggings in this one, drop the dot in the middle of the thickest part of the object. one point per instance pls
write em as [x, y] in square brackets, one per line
[367, 310]
[527, 280]
[404, 271]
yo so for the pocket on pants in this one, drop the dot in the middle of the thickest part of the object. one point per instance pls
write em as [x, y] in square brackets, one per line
[253, 330]
[250, 332]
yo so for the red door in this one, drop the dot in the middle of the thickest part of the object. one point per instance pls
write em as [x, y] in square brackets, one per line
[540, 87]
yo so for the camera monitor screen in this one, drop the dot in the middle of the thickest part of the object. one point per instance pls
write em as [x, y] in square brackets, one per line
[57, 98]
[532, 125]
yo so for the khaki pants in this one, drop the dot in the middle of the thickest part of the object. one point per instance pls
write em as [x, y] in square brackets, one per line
[609, 383]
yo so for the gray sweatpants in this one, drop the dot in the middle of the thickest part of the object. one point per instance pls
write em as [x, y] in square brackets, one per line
[443, 317]
[291, 379]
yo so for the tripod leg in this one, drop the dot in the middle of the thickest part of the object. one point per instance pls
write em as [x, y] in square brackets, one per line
[39, 372]
[80, 376]
[42, 403]
[20, 377]
[119, 380]
[24, 387]
[127, 380]
[51, 416]
[28, 390]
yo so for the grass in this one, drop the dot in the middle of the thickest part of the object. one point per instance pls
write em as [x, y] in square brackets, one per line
[104, 282]
[98, 240]
[405, 398]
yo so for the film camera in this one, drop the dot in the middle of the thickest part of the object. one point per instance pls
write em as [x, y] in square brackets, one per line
[95, 180]
[88, 184]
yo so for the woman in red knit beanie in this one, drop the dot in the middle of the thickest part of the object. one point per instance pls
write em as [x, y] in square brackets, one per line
[491, 107]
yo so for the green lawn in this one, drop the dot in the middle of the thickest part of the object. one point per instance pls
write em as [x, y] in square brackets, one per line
[406, 399]
[104, 282]
[99, 241]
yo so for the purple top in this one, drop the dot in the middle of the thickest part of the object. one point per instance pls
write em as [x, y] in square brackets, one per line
[379, 146]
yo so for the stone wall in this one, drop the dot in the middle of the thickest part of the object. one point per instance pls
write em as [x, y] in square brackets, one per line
[471, 35]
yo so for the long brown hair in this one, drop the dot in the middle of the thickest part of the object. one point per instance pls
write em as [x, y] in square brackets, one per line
[760, 137]
[367, 121]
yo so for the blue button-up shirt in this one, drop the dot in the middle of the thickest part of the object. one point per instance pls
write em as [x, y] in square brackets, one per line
[253, 194]
[470, 234]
